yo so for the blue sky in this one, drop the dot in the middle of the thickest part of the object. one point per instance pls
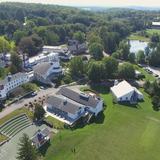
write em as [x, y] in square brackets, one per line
[104, 3]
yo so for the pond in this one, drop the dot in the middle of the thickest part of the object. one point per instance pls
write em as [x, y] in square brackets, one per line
[137, 45]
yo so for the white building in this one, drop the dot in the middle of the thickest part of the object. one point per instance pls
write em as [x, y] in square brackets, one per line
[56, 49]
[43, 58]
[156, 25]
[45, 71]
[11, 82]
[71, 105]
[124, 92]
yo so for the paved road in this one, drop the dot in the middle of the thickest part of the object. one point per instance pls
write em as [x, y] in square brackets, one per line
[24, 101]
[155, 70]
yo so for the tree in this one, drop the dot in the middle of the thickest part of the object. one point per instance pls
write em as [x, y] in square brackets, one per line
[141, 57]
[110, 66]
[110, 40]
[95, 72]
[4, 45]
[126, 71]
[31, 45]
[93, 37]
[39, 112]
[156, 102]
[77, 67]
[96, 50]
[131, 57]
[51, 38]
[2, 73]
[26, 150]
[125, 49]
[20, 15]
[18, 35]
[80, 36]
[16, 61]
[155, 38]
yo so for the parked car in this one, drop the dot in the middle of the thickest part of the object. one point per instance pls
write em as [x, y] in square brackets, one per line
[41, 87]
[34, 94]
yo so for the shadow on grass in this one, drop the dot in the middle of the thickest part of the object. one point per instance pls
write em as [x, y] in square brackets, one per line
[126, 104]
[81, 123]
[44, 148]
[99, 119]
[100, 88]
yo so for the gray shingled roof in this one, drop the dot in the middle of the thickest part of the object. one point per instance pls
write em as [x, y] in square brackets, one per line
[13, 77]
[75, 96]
[42, 68]
[59, 103]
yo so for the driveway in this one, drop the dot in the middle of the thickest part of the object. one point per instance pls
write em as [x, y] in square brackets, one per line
[24, 101]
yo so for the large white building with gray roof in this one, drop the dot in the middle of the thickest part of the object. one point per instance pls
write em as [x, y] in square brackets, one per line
[69, 105]
[11, 82]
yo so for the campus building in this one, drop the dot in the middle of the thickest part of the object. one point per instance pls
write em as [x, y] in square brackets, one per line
[124, 92]
[11, 82]
[71, 105]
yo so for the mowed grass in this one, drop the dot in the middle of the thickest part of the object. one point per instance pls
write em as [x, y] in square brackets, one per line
[134, 36]
[127, 133]
[2, 138]
[152, 31]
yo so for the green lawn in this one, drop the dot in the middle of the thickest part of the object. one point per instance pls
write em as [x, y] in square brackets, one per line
[2, 138]
[151, 31]
[15, 113]
[148, 76]
[56, 124]
[127, 133]
[134, 36]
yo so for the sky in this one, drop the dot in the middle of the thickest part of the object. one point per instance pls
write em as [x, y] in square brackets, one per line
[102, 3]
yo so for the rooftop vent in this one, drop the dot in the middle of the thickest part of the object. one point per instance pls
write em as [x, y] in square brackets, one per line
[64, 101]
[84, 96]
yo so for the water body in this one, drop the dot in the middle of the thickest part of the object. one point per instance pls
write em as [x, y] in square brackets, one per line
[137, 45]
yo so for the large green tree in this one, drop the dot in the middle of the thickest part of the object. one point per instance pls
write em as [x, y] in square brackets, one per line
[96, 50]
[140, 57]
[39, 112]
[16, 62]
[95, 71]
[77, 67]
[110, 66]
[4, 45]
[80, 36]
[126, 71]
[26, 151]
[31, 45]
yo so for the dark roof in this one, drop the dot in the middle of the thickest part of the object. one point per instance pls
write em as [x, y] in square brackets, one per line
[63, 104]
[40, 135]
[86, 100]
[42, 68]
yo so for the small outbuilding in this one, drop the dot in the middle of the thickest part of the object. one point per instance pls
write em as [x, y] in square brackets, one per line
[124, 92]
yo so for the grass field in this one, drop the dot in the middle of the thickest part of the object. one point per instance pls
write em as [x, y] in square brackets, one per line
[2, 138]
[122, 133]
[56, 124]
[151, 31]
[148, 76]
[138, 37]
